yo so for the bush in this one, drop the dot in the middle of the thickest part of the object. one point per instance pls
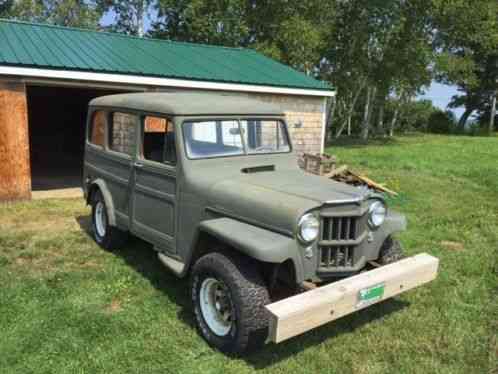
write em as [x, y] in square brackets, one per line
[441, 122]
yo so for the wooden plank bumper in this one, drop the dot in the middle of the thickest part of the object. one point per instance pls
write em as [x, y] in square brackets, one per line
[298, 314]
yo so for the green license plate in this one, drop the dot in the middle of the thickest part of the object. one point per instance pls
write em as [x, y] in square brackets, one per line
[370, 295]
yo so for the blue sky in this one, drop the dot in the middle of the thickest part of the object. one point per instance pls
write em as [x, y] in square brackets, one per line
[441, 95]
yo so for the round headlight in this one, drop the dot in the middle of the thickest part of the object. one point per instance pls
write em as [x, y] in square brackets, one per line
[378, 213]
[308, 228]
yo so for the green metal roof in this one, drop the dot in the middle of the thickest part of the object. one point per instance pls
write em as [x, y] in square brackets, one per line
[54, 47]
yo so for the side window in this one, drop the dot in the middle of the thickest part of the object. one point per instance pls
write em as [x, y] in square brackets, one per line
[265, 136]
[122, 133]
[96, 133]
[158, 140]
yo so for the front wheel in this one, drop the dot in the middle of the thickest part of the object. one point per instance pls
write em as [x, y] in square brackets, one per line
[391, 251]
[228, 297]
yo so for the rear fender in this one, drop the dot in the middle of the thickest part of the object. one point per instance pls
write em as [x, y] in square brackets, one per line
[99, 184]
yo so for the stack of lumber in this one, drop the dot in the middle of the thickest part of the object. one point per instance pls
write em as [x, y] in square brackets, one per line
[319, 164]
[326, 166]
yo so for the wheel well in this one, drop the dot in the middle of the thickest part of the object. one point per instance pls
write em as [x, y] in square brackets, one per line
[91, 193]
[207, 243]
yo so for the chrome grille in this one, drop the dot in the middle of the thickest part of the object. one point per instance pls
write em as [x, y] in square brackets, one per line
[339, 228]
[337, 256]
[336, 249]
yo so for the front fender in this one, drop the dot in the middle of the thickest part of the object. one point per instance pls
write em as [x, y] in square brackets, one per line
[395, 222]
[255, 242]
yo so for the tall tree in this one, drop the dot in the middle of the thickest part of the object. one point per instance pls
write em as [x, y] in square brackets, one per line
[129, 15]
[376, 49]
[466, 38]
[203, 21]
[287, 31]
[5, 8]
[75, 13]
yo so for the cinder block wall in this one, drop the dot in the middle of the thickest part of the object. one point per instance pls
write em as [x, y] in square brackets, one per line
[304, 116]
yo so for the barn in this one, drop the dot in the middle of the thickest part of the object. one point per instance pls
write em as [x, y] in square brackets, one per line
[48, 74]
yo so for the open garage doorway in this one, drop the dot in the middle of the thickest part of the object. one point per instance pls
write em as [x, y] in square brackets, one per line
[57, 118]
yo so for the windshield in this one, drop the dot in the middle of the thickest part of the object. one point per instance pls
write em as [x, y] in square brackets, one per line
[217, 138]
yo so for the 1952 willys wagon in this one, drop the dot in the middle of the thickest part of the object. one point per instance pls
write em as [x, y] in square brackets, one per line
[212, 182]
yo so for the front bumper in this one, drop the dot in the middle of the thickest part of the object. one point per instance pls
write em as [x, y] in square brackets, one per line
[298, 314]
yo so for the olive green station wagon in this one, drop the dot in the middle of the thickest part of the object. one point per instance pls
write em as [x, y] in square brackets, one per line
[212, 182]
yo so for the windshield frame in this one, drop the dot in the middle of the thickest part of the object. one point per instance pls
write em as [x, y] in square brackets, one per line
[244, 145]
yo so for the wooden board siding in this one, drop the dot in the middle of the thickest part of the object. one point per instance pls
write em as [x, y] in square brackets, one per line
[298, 314]
[15, 173]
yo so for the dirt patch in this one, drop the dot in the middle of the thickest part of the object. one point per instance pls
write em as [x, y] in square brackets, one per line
[51, 224]
[114, 307]
[452, 246]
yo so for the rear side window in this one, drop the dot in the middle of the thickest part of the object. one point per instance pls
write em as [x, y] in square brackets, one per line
[96, 135]
[158, 140]
[122, 133]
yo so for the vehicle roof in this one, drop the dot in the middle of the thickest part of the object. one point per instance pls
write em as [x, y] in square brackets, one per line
[182, 103]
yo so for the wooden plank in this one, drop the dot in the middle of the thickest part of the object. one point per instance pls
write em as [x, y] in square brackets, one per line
[15, 173]
[298, 314]
[373, 184]
[340, 170]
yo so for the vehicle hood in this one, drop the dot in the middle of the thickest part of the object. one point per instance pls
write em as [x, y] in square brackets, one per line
[278, 199]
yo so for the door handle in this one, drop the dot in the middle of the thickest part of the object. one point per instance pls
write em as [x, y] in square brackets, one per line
[138, 164]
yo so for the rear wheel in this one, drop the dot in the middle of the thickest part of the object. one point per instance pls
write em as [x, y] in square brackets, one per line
[107, 236]
[228, 297]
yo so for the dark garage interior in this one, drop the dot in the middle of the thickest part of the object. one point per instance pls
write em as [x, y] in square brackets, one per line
[57, 118]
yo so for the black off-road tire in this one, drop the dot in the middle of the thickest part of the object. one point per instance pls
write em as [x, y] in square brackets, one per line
[248, 293]
[113, 238]
[391, 251]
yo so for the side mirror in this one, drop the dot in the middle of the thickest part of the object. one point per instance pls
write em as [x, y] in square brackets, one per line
[234, 131]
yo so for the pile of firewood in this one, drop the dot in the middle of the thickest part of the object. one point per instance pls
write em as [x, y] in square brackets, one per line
[326, 166]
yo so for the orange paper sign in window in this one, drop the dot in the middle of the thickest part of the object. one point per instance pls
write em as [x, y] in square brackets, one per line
[155, 124]
[98, 128]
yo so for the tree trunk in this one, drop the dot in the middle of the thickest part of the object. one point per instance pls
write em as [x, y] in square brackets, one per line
[396, 114]
[365, 126]
[380, 122]
[393, 122]
[349, 125]
[373, 100]
[141, 10]
[350, 111]
[493, 114]
[463, 119]
[330, 118]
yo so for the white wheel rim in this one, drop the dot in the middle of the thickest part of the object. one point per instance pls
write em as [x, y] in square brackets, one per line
[216, 306]
[100, 219]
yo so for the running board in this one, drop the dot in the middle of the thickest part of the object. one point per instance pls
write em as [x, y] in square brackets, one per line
[175, 266]
[297, 314]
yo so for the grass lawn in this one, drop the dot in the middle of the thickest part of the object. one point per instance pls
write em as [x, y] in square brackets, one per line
[67, 306]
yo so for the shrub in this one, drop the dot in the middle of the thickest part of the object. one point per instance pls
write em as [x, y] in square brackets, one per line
[441, 122]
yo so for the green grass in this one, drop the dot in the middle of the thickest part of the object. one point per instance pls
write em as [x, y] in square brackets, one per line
[67, 306]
